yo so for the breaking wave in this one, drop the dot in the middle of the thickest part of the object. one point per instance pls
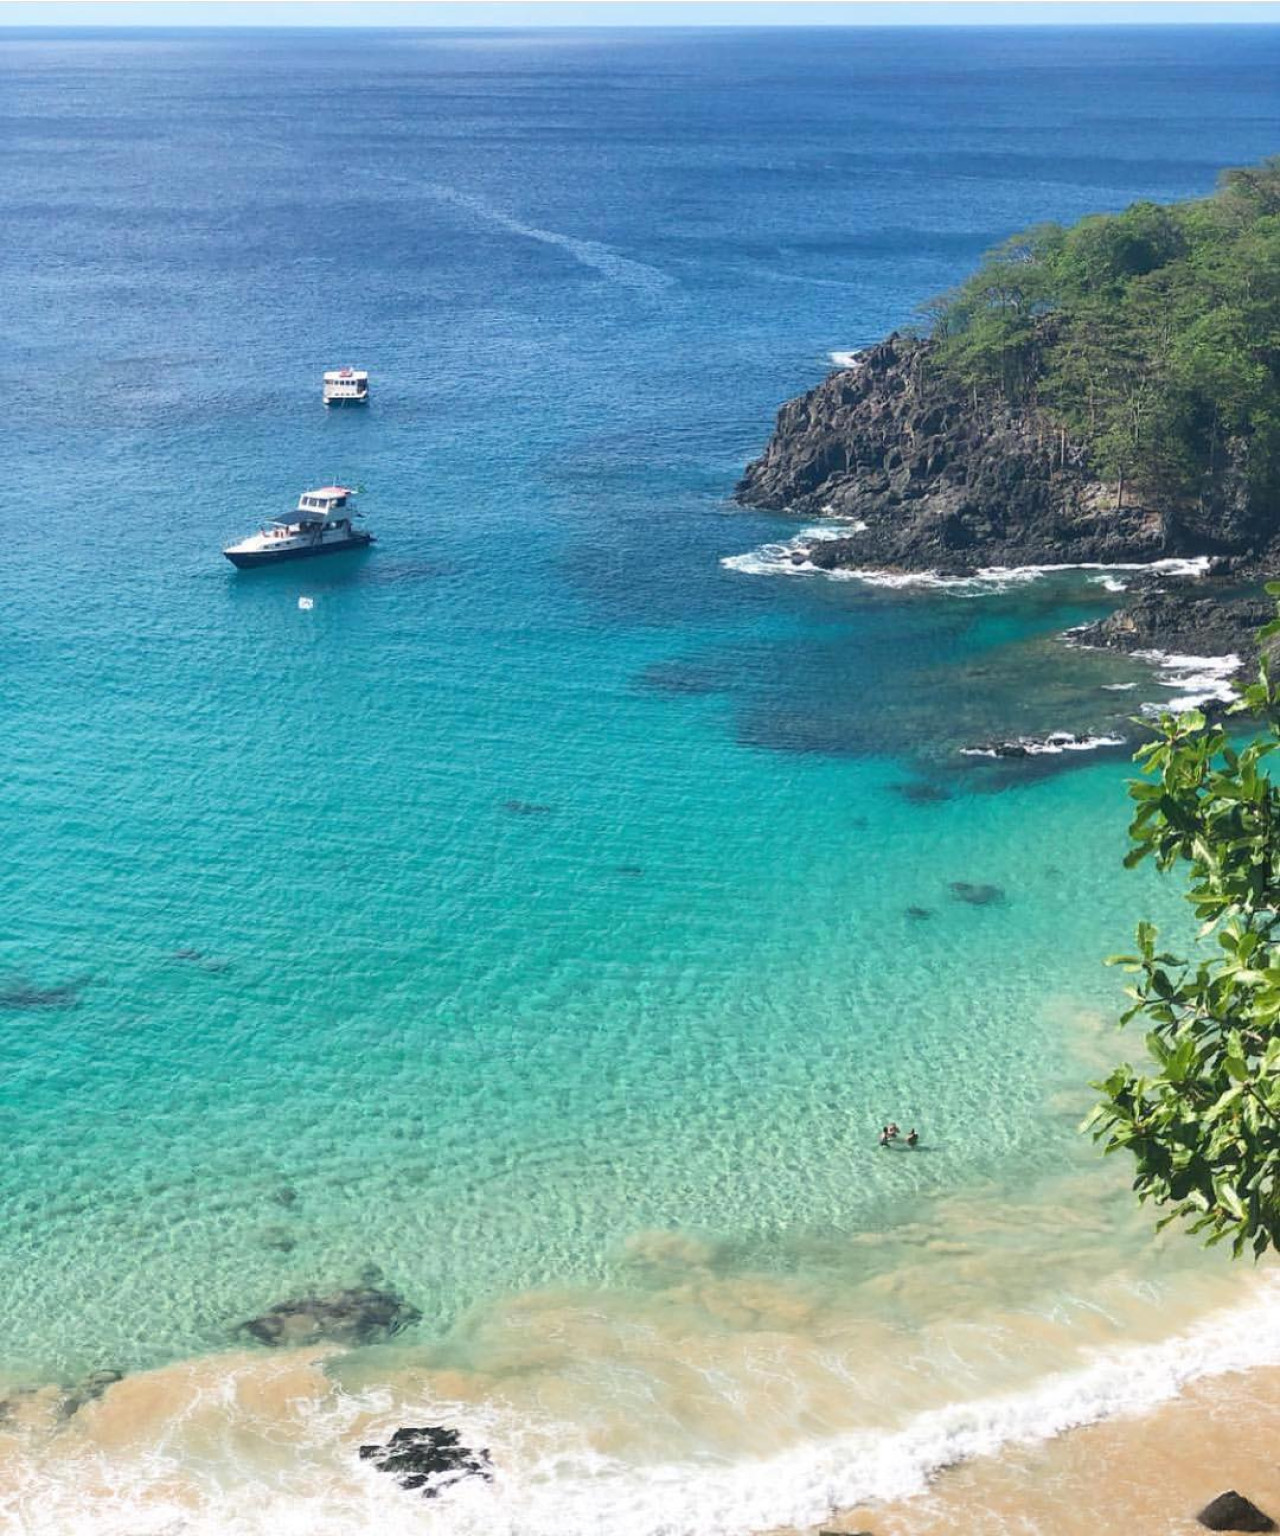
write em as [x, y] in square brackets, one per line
[304, 1476]
[1194, 680]
[1052, 744]
[787, 559]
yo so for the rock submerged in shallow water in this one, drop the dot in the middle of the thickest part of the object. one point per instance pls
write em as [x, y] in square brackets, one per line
[921, 792]
[527, 808]
[361, 1315]
[919, 912]
[976, 895]
[18, 994]
[88, 1389]
[50, 1405]
[428, 1460]
[1231, 1511]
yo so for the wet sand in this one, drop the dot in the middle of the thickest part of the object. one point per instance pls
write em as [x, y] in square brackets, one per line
[1128, 1476]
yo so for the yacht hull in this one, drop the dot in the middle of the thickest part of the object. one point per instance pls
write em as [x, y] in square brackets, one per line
[246, 559]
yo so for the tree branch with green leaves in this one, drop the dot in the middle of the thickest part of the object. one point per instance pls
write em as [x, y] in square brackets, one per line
[1202, 1117]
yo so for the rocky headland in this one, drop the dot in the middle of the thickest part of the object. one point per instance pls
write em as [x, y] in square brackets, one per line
[929, 476]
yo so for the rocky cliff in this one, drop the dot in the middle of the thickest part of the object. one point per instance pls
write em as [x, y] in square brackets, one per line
[940, 479]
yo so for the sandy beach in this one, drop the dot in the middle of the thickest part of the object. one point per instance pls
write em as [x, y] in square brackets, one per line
[1143, 1475]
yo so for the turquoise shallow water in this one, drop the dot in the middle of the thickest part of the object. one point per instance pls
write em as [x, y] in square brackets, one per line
[545, 884]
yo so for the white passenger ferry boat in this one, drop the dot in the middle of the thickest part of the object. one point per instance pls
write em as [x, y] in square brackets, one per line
[321, 525]
[346, 386]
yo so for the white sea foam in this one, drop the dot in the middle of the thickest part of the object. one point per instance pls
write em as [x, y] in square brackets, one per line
[1118, 687]
[1194, 680]
[847, 359]
[574, 1490]
[787, 559]
[779, 560]
[1052, 744]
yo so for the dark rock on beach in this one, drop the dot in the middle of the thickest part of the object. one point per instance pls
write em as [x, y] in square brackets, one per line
[428, 1460]
[1231, 1511]
[361, 1315]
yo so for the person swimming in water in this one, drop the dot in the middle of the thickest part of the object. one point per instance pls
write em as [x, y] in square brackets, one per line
[913, 1136]
[885, 1138]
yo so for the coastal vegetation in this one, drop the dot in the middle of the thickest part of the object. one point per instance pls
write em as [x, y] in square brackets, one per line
[1203, 1119]
[1149, 340]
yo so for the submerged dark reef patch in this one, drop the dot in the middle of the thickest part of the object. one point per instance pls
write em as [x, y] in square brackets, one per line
[361, 1315]
[18, 994]
[977, 895]
[921, 792]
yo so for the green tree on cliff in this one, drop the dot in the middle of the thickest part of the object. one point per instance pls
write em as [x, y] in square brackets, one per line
[1148, 338]
[1202, 1120]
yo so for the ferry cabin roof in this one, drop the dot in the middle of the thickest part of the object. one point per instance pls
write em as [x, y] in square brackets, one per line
[346, 376]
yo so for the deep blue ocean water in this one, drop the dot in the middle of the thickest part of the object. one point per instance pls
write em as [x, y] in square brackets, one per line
[544, 885]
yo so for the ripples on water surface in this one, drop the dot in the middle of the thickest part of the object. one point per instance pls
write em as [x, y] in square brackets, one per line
[535, 906]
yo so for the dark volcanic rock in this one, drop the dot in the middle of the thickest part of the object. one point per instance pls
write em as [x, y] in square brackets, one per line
[362, 1315]
[1231, 1511]
[1186, 618]
[1055, 743]
[429, 1459]
[945, 480]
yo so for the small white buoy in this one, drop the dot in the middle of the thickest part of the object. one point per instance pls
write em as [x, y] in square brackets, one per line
[306, 604]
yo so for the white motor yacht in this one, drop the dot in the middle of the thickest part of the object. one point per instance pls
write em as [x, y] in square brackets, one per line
[321, 525]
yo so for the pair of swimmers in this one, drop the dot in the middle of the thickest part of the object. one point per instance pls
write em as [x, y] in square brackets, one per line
[890, 1134]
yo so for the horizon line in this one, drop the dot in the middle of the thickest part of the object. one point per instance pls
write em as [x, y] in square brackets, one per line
[617, 15]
